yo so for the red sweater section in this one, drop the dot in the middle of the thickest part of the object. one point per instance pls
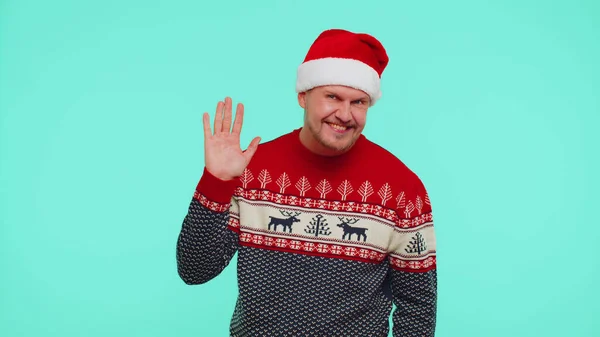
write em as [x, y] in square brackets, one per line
[367, 173]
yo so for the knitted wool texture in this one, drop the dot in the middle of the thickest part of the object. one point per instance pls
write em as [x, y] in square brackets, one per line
[325, 247]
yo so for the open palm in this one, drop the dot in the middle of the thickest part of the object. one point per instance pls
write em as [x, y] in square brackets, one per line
[223, 156]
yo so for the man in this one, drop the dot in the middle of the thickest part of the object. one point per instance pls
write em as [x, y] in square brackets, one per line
[330, 228]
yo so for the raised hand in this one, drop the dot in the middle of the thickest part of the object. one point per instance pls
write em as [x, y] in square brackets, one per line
[223, 156]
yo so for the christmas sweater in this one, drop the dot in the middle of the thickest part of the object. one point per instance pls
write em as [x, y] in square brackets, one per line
[325, 245]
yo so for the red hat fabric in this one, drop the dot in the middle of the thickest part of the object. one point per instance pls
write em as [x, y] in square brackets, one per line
[341, 57]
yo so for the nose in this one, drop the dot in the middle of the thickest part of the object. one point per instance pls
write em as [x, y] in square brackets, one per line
[344, 112]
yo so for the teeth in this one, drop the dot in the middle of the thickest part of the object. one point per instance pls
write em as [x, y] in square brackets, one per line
[337, 127]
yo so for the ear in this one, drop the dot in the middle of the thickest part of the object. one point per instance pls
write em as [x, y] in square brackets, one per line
[302, 99]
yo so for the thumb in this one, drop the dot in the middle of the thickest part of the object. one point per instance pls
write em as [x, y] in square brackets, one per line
[251, 148]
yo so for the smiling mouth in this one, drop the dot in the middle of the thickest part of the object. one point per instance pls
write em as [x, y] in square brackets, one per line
[338, 127]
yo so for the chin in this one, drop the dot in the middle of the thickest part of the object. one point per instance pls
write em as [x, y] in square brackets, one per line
[337, 146]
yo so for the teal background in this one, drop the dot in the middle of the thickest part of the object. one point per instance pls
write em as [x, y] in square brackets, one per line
[494, 105]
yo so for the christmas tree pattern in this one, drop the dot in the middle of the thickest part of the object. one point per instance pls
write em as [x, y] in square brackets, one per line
[246, 177]
[365, 190]
[345, 189]
[283, 182]
[303, 185]
[419, 204]
[324, 187]
[409, 209]
[417, 245]
[400, 200]
[385, 192]
[318, 226]
[264, 177]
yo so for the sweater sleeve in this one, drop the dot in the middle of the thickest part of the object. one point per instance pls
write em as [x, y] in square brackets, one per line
[208, 238]
[413, 267]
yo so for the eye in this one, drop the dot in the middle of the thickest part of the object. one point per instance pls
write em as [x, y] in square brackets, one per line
[360, 102]
[331, 96]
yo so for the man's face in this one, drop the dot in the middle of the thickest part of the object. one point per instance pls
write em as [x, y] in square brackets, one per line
[334, 117]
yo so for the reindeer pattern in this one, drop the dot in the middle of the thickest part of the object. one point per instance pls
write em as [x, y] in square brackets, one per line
[285, 222]
[290, 218]
[349, 230]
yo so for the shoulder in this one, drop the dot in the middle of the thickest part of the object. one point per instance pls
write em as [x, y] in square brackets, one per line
[388, 164]
[386, 160]
[406, 186]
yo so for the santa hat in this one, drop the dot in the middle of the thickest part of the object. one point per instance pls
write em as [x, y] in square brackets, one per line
[340, 57]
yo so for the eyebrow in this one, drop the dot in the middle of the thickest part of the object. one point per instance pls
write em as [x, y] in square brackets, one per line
[363, 98]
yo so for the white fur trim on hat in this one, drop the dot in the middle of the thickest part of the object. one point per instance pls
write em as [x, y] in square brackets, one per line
[339, 71]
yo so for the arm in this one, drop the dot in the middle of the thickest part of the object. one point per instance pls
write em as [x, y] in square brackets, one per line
[206, 243]
[415, 297]
[208, 238]
[413, 268]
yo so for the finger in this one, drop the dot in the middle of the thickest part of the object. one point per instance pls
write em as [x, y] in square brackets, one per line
[206, 124]
[227, 116]
[251, 149]
[239, 119]
[219, 117]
